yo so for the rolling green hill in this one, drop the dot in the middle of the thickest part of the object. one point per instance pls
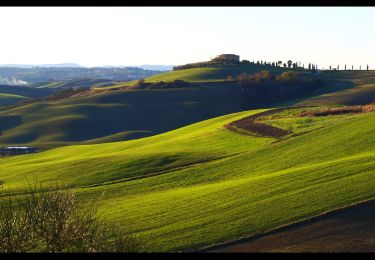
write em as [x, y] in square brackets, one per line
[74, 83]
[345, 88]
[203, 184]
[10, 95]
[214, 73]
[8, 99]
[341, 87]
[116, 114]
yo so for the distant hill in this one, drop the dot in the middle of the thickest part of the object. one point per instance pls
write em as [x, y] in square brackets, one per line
[10, 95]
[75, 65]
[114, 113]
[51, 74]
[214, 73]
[8, 99]
[156, 67]
[76, 83]
[59, 65]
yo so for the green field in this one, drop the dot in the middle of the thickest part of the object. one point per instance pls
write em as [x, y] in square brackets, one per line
[203, 184]
[217, 73]
[188, 182]
[7, 99]
[118, 114]
[10, 95]
[344, 88]
[74, 83]
[115, 115]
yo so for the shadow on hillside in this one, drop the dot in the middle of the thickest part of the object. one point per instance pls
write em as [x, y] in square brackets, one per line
[330, 86]
[9, 122]
[141, 113]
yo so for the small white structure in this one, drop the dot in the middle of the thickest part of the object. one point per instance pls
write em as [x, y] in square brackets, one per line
[17, 150]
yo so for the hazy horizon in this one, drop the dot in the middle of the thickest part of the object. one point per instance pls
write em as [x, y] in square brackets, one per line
[74, 64]
[136, 36]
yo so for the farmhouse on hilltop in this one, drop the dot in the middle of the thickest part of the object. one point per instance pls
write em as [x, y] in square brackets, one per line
[227, 58]
[220, 59]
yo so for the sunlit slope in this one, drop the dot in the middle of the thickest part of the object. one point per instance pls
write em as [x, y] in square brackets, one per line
[214, 73]
[8, 99]
[10, 95]
[340, 87]
[115, 115]
[157, 153]
[199, 74]
[344, 88]
[75, 83]
[203, 184]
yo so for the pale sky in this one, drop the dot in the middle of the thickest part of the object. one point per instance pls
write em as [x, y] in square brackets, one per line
[128, 36]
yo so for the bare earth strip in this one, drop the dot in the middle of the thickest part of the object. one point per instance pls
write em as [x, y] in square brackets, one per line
[346, 230]
[249, 125]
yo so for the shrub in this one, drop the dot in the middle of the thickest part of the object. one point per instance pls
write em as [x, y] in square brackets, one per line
[140, 83]
[259, 77]
[16, 235]
[263, 88]
[288, 76]
[55, 222]
[340, 110]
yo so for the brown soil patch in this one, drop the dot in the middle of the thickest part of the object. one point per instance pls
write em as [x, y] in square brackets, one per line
[250, 125]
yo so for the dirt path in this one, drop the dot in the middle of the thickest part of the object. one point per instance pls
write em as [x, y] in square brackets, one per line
[250, 125]
[346, 230]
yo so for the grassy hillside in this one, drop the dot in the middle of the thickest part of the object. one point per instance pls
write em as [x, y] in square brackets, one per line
[203, 184]
[115, 115]
[341, 87]
[10, 95]
[74, 83]
[8, 99]
[118, 114]
[214, 73]
[344, 88]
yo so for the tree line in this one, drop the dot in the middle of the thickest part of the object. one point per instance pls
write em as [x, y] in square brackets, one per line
[263, 88]
[367, 67]
[289, 64]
